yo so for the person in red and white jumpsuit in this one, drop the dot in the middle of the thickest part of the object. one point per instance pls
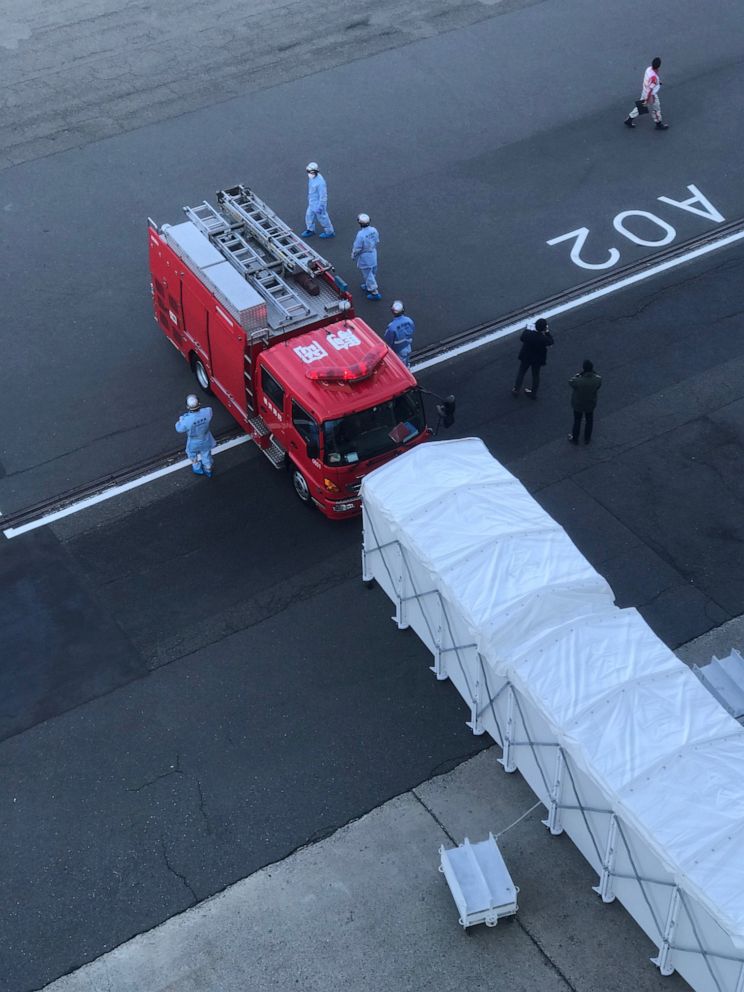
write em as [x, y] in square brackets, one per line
[650, 97]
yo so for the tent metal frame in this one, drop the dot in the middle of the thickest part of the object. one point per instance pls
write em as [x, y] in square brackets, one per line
[482, 700]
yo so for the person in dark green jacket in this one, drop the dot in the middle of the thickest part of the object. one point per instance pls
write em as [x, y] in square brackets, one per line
[584, 388]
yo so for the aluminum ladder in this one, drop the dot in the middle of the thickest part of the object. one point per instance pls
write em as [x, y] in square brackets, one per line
[280, 241]
[231, 241]
[207, 219]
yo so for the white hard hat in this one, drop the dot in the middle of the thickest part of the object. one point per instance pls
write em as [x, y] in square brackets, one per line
[397, 306]
[192, 402]
[363, 218]
[312, 167]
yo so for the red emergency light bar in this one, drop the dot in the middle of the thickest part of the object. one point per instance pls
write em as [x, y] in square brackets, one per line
[362, 369]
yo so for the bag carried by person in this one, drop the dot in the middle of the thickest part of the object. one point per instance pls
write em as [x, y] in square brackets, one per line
[641, 107]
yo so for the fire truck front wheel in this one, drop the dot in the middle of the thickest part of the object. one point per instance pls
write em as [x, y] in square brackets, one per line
[202, 376]
[300, 484]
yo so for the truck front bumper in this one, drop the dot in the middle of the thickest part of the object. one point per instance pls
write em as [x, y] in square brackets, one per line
[340, 508]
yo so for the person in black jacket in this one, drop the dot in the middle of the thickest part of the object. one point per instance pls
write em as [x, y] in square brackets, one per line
[533, 355]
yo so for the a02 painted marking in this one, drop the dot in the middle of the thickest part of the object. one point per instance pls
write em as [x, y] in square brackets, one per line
[697, 204]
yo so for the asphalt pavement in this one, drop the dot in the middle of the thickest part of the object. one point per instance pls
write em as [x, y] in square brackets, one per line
[470, 148]
[207, 685]
[194, 681]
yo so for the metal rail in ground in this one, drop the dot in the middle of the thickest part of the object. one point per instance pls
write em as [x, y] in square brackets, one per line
[420, 357]
[523, 314]
[53, 504]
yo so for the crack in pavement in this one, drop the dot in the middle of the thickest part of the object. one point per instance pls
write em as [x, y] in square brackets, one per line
[175, 770]
[434, 816]
[182, 878]
[546, 957]
[202, 805]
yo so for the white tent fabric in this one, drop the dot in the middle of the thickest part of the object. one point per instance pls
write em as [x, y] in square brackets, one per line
[595, 657]
[634, 721]
[698, 828]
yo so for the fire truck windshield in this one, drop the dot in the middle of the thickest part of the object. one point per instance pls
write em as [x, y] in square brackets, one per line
[374, 431]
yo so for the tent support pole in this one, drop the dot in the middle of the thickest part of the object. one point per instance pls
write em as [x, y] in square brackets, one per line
[439, 667]
[400, 592]
[507, 760]
[604, 887]
[367, 575]
[474, 722]
[553, 822]
[663, 958]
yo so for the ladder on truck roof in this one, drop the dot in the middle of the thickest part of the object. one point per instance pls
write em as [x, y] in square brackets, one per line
[227, 230]
[245, 207]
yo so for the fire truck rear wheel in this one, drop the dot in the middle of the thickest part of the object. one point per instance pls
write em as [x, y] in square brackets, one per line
[202, 376]
[300, 484]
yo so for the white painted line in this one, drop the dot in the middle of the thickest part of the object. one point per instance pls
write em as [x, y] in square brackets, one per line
[579, 301]
[83, 504]
[446, 356]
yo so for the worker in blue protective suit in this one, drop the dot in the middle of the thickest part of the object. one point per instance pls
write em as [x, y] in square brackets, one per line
[364, 253]
[199, 441]
[399, 333]
[317, 204]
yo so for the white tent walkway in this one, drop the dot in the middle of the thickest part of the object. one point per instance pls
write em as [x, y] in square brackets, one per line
[630, 754]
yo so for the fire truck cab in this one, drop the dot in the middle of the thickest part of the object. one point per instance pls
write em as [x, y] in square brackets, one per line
[340, 403]
[269, 329]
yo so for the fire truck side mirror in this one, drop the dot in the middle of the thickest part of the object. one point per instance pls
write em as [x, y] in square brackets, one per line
[313, 449]
[446, 410]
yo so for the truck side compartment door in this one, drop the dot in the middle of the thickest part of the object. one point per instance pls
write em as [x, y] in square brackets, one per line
[196, 323]
[166, 293]
[227, 349]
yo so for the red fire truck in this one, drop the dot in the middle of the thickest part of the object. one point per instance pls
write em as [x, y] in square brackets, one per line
[270, 330]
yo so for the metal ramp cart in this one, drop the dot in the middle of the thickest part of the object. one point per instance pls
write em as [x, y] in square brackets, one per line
[479, 882]
[724, 678]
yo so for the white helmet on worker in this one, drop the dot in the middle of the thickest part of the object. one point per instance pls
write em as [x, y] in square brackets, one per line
[363, 219]
[312, 167]
[192, 402]
[397, 307]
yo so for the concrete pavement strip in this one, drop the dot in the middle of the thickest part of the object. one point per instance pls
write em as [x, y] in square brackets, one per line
[367, 909]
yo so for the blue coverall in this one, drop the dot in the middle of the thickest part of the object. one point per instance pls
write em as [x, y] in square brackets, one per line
[364, 252]
[199, 441]
[399, 336]
[317, 204]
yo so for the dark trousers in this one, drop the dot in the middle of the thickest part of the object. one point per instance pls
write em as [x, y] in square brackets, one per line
[588, 425]
[523, 366]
